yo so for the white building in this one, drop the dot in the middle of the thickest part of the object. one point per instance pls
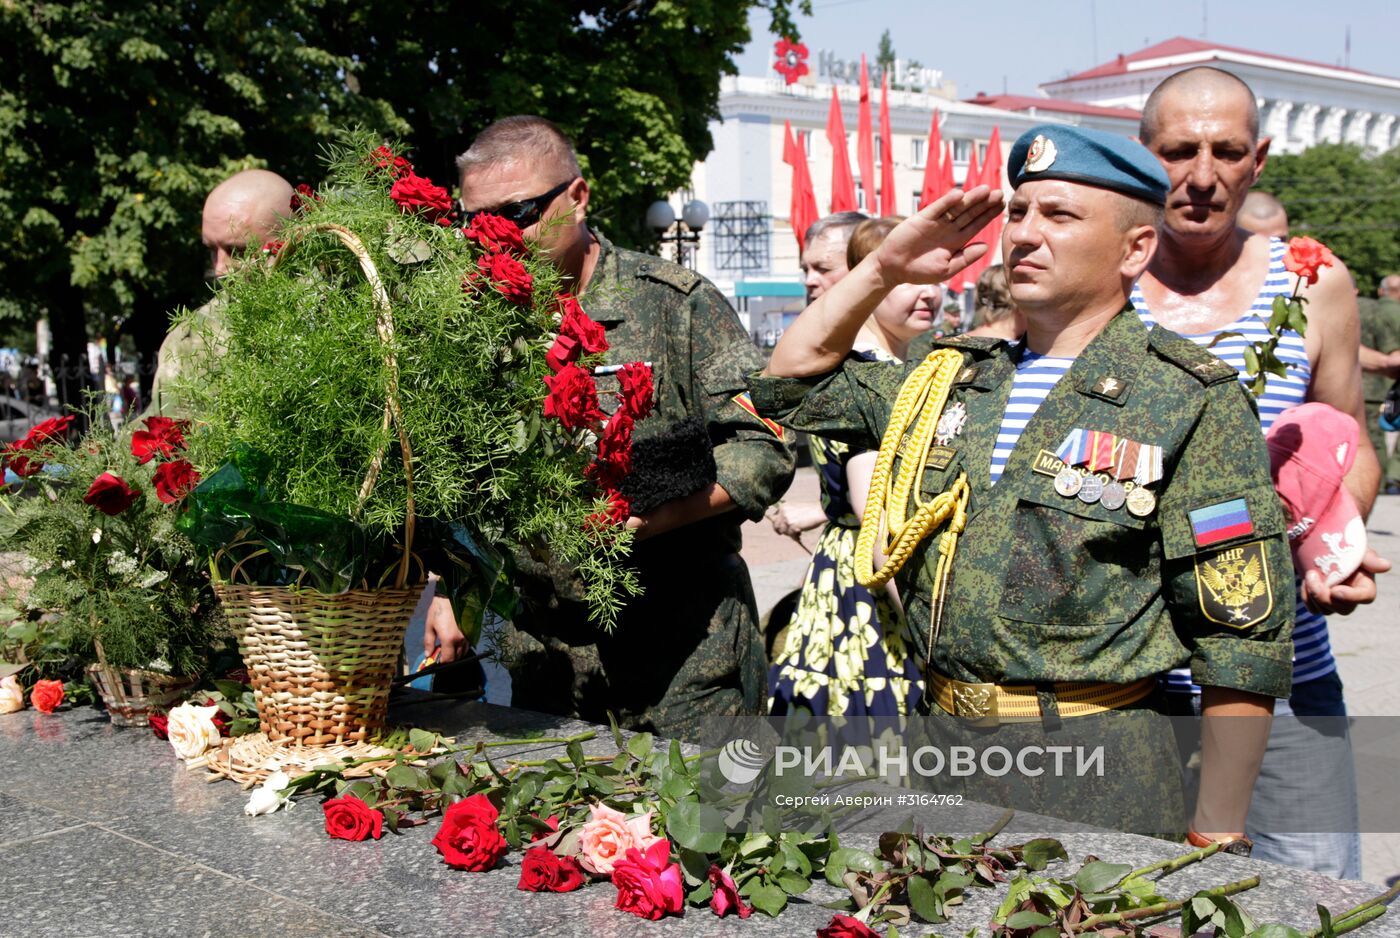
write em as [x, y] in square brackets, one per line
[748, 248]
[1301, 103]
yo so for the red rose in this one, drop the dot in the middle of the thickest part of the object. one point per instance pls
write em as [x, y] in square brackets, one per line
[271, 248]
[542, 871]
[468, 839]
[174, 480]
[843, 926]
[45, 696]
[50, 431]
[507, 275]
[574, 322]
[573, 398]
[110, 495]
[22, 466]
[304, 195]
[615, 445]
[162, 436]
[496, 234]
[552, 822]
[618, 511]
[160, 725]
[646, 885]
[349, 818]
[726, 897]
[564, 351]
[1305, 257]
[637, 391]
[413, 193]
[384, 158]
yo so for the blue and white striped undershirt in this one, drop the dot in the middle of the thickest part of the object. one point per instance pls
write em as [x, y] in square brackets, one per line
[1036, 377]
[1312, 653]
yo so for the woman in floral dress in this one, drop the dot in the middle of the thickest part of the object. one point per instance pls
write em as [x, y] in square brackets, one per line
[847, 651]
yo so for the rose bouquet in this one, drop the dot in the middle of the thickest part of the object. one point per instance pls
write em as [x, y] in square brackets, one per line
[106, 576]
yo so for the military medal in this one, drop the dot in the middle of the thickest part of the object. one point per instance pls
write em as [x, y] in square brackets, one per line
[1141, 502]
[1114, 495]
[1068, 482]
[1092, 489]
[950, 424]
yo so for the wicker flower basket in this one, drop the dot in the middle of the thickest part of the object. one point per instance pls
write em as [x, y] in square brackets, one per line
[131, 695]
[321, 664]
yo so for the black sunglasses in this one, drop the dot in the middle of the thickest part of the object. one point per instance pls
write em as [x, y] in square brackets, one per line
[525, 212]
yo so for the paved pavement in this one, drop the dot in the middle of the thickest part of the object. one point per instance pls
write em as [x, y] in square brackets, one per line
[1366, 643]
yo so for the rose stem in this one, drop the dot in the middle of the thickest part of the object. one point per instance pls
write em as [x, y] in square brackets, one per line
[1229, 889]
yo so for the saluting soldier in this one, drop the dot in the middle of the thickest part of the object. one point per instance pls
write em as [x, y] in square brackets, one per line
[688, 650]
[1073, 514]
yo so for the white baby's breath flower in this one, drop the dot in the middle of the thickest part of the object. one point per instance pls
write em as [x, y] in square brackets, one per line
[97, 535]
[68, 564]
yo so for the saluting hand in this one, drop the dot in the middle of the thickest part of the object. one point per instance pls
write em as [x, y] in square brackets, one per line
[931, 246]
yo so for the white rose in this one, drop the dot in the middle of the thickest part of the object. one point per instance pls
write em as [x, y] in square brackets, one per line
[192, 730]
[11, 695]
[268, 797]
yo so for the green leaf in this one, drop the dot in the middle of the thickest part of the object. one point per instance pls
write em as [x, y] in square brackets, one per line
[640, 746]
[1028, 918]
[575, 752]
[687, 823]
[792, 882]
[422, 740]
[677, 760]
[404, 777]
[1324, 916]
[232, 690]
[755, 844]
[925, 900]
[766, 897]
[1280, 313]
[1099, 876]
[1039, 853]
[849, 858]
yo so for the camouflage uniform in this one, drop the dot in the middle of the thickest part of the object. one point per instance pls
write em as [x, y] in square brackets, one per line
[1046, 588]
[182, 345]
[689, 648]
[1380, 330]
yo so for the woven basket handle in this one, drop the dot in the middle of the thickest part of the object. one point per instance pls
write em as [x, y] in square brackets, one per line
[384, 324]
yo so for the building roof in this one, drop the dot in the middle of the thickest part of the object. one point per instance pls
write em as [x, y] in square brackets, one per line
[1021, 102]
[1181, 46]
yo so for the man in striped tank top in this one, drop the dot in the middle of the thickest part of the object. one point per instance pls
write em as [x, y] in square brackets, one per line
[1117, 516]
[1209, 279]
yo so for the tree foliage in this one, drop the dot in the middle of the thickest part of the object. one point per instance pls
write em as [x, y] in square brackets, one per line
[117, 118]
[1348, 200]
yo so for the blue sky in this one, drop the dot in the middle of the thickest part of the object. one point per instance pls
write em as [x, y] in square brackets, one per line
[982, 45]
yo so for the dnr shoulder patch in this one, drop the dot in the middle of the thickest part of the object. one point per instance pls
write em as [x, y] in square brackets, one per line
[745, 402]
[1233, 585]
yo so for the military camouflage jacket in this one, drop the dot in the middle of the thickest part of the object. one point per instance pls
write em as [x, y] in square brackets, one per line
[183, 346]
[700, 355]
[1049, 588]
[1380, 330]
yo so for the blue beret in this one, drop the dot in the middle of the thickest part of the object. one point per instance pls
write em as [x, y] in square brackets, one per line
[1092, 157]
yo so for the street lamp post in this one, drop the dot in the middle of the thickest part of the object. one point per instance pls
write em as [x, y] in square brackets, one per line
[681, 232]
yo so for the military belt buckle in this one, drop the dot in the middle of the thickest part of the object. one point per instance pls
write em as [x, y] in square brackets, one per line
[976, 703]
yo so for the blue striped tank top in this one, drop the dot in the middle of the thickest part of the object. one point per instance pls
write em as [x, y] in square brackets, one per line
[1036, 377]
[1312, 653]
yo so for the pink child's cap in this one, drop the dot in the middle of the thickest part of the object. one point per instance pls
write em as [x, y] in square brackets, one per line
[1311, 447]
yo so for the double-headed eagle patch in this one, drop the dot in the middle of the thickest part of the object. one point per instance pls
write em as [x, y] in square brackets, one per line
[1233, 585]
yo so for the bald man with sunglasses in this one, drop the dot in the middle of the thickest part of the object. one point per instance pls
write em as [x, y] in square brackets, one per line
[687, 653]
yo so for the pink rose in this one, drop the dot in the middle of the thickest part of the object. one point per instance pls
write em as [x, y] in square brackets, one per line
[609, 834]
[726, 897]
[647, 885]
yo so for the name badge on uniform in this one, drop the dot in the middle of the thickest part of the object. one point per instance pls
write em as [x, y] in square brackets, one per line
[940, 456]
[1233, 585]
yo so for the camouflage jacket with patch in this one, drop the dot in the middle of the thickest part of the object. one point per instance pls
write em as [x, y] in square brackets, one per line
[700, 354]
[1048, 588]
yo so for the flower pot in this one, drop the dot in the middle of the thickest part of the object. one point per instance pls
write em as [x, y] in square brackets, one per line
[131, 695]
[320, 664]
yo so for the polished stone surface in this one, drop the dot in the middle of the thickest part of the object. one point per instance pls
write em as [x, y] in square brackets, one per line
[103, 832]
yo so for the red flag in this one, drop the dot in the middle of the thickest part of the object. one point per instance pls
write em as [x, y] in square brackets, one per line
[948, 183]
[843, 185]
[991, 234]
[974, 175]
[992, 166]
[933, 166]
[887, 193]
[865, 141]
[803, 208]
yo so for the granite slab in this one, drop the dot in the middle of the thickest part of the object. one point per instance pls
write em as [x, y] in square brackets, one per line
[102, 831]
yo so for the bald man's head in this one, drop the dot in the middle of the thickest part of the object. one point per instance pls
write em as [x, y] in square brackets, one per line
[247, 206]
[1390, 287]
[1202, 83]
[1263, 214]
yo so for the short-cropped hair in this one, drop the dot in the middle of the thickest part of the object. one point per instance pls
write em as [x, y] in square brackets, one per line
[521, 138]
[842, 223]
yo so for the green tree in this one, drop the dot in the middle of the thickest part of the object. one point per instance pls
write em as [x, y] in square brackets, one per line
[116, 118]
[1346, 199]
